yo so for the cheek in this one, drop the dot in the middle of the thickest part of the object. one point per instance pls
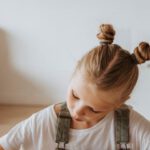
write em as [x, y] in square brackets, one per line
[70, 100]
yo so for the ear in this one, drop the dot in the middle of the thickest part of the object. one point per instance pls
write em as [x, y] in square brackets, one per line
[118, 105]
[126, 98]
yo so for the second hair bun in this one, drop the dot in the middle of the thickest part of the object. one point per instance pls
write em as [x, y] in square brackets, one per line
[142, 52]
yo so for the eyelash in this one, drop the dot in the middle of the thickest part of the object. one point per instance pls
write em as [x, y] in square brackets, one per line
[96, 112]
[74, 96]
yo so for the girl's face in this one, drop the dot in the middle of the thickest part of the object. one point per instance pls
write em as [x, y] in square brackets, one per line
[87, 104]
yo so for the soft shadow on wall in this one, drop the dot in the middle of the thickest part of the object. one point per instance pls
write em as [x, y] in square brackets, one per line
[15, 87]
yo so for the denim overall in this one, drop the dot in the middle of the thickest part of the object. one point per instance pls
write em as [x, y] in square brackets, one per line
[121, 125]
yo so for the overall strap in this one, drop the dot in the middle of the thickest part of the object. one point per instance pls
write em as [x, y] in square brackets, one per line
[122, 127]
[63, 126]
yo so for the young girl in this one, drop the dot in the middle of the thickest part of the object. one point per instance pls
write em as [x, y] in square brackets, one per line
[102, 81]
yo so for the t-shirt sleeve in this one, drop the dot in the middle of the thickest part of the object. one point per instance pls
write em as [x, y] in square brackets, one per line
[30, 133]
[140, 131]
[18, 135]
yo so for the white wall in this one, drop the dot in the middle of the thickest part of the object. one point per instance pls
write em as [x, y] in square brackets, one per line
[41, 40]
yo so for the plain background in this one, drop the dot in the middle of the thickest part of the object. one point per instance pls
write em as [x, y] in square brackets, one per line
[41, 41]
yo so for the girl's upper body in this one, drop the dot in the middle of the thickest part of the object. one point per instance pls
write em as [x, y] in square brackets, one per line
[101, 82]
[39, 132]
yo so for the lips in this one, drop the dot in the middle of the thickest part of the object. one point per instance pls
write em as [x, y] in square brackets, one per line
[78, 119]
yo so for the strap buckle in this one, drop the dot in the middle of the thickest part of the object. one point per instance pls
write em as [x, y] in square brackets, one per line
[123, 146]
[60, 145]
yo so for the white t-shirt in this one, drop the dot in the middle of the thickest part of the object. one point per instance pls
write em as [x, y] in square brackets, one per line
[38, 133]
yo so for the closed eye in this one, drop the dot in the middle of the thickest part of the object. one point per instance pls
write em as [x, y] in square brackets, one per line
[74, 95]
[91, 109]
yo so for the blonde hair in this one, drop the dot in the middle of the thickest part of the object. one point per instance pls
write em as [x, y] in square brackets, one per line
[109, 66]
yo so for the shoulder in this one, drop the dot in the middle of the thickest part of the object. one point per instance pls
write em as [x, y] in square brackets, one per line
[47, 115]
[138, 119]
[57, 108]
[139, 129]
[43, 116]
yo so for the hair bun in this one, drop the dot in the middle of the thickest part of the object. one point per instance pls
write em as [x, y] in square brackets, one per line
[142, 52]
[107, 33]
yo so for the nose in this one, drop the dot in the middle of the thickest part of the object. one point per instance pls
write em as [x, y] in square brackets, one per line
[79, 110]
[78, 113]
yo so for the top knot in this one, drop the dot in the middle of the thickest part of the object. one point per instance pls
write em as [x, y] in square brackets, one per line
[107, 33]
[142, 52]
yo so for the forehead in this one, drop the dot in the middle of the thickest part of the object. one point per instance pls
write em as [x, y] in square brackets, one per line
[91, 95]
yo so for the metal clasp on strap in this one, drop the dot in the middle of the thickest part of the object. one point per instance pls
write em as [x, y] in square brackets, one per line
[123, 146]
[60, 145]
